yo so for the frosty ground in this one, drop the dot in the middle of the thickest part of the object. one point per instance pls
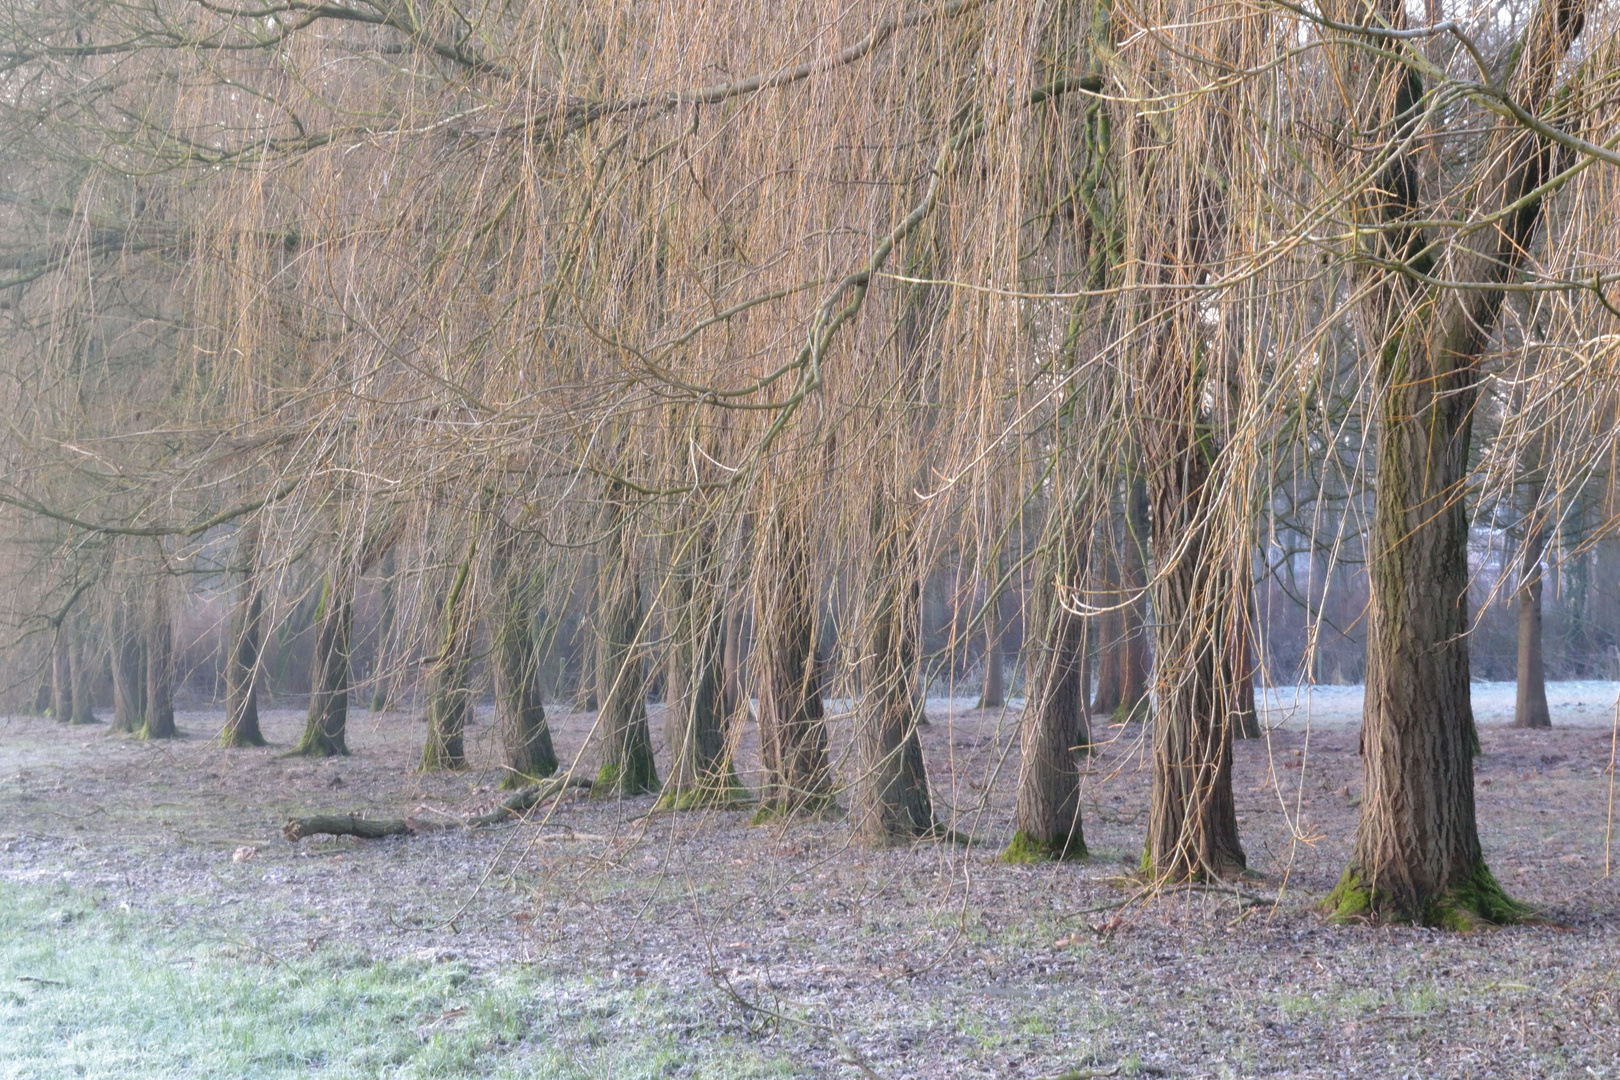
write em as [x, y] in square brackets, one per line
[153, 922]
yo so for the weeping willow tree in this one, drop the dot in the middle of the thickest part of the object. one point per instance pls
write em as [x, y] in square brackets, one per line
[827, 316]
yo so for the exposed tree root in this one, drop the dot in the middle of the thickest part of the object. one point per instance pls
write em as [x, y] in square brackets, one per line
[1026, 849]
[1478, 900]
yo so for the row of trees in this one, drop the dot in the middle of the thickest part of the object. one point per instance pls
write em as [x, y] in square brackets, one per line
[702, 316]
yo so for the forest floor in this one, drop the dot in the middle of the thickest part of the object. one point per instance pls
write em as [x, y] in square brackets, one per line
[153, 922]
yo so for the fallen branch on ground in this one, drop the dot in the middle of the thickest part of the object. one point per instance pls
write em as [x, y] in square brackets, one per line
[514, 805]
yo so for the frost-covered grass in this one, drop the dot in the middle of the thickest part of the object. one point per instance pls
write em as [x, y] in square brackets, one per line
[88, 990]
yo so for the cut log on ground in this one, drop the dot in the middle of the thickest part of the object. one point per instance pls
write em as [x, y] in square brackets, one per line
[513, 806]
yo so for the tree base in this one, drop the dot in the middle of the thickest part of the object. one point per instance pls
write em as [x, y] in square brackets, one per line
[1478, 900]
[615, 781]
[1026, 849]
[147, 732]
[724, 792]
[817, 806]
[240, 740]
[516, 781]
[317, 747]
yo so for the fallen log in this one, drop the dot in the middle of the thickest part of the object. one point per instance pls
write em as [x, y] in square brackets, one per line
[513, 806]
[525, 799]
[348, 825]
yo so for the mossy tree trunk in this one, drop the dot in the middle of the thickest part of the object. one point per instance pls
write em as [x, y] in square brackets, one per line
[1055, 727]
[128, 660]
[1417, 855]
[520, 714]
[159, 713]
[242, 649]
[1530, 706]
[627, 759]
[701, 772]
[449, 696]
[326, 726]
[892, 800]
[796, 774]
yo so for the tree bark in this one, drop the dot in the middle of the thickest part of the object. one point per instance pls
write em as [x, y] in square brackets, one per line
[1192, 819]
[1530, 707]
[627, 760]
[792, 719]
[449, 697]
[325, 728]
[84, 669]
[159, 722]
[242, 650]
[520, 714]
[1417, 855]
[128, 661]
[892, 794]
[1055, 726]
[701, 772]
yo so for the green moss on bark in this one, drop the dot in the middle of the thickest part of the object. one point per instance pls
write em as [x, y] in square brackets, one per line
[1026, 849]
[1476, 901]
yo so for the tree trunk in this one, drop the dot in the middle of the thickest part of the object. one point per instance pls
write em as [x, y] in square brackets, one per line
[1054, 728]
[1245, 716]
[994, 693]
[1530, 708]
[84, 669]
[128, 661]
[1192, 819]
[1134, 659]
[520, 714]
[1109, 629]
[242, 650]
[449, 698]
[1417, 855]
[701, 772]
[892, 793]
[326, 726]
[62, 673]
[627, 759]
[159, 713]
[385, 628]
[792, 720]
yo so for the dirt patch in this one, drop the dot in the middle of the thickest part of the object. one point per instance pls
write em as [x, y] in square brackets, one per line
[930, 961]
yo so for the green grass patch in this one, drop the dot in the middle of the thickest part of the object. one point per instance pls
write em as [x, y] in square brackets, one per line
[87, 990]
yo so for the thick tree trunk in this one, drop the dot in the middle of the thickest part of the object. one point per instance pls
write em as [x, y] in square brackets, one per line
[1417, 854]
[1530, 708]
[128, 661]
[1055, 727]
[449, 697]
[520, 714]
[84, 669]
[325, 728]
[892, 802]
[1192, 819]
[796, 775]
[242, 649]
[701, 772]
[159, 713]
[627, 758]
[993, 695]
